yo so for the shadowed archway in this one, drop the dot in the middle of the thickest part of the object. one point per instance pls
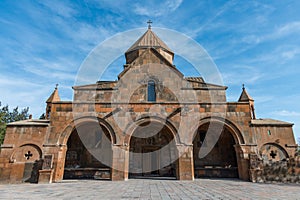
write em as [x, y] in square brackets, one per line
[152, 151]
[89, 152]
[221, 160]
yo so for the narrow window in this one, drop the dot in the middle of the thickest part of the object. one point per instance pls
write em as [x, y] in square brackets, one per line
[151, 91]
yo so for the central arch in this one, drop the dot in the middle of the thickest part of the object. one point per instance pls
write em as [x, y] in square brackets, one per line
[152, 150]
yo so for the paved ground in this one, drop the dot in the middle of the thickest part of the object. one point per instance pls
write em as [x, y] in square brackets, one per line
[151, 189]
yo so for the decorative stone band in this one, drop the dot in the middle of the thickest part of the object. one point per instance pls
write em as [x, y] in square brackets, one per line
[7, 146]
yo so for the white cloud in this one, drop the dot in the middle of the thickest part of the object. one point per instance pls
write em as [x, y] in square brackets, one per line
[242, 74]
[286, 113]
[211, 20]
[60, 8]
[251, 39]
[274, 34]
[23, 93]
[275, 59]
[291, 27]
[282, 31]
[16, 82]
[156, 8]
[263, 99]
[289, 54]
[173, 5]
[50, 73]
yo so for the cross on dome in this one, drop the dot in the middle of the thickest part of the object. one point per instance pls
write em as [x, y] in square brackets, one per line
[149, 22]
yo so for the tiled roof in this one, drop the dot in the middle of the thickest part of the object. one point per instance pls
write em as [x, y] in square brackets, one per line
[245, 96]
[54, 96]
[270, 122]
[195, 79]
[149, 39]
[30, 122]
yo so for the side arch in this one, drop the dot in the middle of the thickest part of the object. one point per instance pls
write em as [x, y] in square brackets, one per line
[34, 153]
[273, 152]
[88, 149]
[234, 130]
[215, 148]
[64, 136]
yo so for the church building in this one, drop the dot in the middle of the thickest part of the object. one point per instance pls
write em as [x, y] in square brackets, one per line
[152, 121]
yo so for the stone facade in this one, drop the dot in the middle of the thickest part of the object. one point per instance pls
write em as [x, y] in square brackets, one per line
[153, 121]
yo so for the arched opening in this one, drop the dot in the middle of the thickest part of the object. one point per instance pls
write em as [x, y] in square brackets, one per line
[89, 153]
[30, 156]
[221, 160]
[151, 91]
[153, 151]
[272, 152]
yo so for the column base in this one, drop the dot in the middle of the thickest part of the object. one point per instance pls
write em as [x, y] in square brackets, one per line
[45, 176]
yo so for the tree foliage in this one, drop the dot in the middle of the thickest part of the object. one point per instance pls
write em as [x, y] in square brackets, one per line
[43, 116]
[7, 116]
[298, 149]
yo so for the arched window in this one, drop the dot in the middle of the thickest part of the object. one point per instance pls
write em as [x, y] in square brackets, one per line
[252, 112]
[151, 91]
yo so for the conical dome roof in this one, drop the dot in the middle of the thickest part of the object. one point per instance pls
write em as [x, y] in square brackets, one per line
[54, 96]
[245, 96]
[149, 39]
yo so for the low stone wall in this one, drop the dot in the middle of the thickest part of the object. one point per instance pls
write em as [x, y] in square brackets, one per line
[216, 172]
[287, 171]
[87, 173]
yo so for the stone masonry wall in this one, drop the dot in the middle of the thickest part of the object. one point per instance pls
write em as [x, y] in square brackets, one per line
[287, 171]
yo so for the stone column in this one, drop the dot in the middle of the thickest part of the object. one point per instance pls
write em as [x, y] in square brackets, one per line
[242, 155]
[45, 176]
[120, 163]
[185, 164]
[59, 158]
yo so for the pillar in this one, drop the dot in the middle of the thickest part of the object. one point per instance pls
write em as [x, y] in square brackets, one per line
[59, 156]
[185, 164]
[242, 154]
[120, 163]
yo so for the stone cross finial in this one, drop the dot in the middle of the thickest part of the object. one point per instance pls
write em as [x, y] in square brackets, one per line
[149, 22]
[243, 86]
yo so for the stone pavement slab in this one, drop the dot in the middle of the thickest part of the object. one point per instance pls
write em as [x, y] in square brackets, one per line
[151, 189]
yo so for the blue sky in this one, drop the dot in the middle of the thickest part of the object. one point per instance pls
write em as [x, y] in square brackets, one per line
[252, 42]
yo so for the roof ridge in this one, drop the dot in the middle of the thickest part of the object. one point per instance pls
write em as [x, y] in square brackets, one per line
[149, 39]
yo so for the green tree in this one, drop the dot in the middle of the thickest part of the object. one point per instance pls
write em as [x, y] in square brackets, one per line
[6, 117]
[43, 116]
[298, 149]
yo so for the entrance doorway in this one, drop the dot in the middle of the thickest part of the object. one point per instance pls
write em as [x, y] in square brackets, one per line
[221, 160]
[88, 153]
[152, 151]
